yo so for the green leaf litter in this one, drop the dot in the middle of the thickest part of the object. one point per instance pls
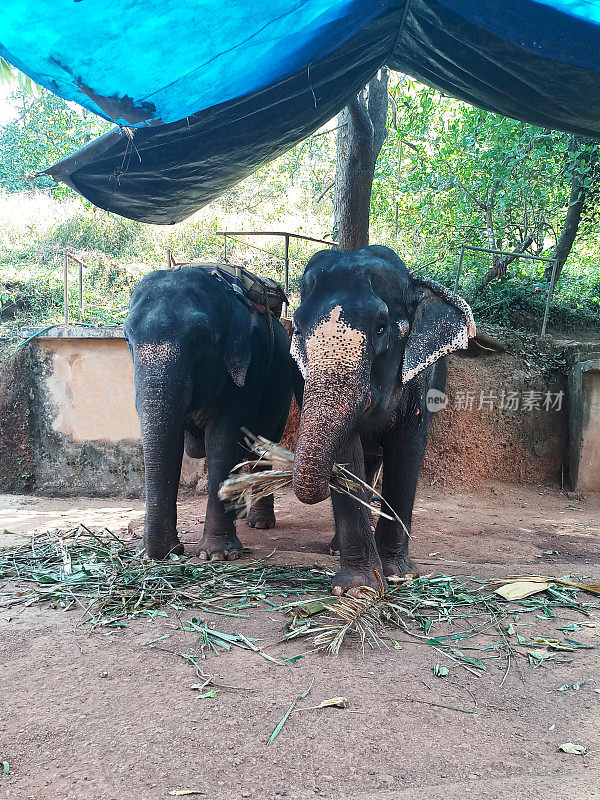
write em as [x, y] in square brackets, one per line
[462, 618]
[104, 577]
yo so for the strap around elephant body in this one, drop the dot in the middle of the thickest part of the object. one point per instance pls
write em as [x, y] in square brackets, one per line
[262, 294]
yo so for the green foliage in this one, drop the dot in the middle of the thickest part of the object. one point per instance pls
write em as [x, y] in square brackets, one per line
[444, 159]
[5, 71]
[518, 299]
[518, 306]
[450, 173]
[36, 228]
[9, 75]
[442, 162]
[46, 130]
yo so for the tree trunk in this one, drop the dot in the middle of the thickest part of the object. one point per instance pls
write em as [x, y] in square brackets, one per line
[577, 200]
[566, 240]
[360, 137]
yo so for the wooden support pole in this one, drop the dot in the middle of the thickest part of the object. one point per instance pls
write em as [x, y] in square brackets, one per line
[80, 287]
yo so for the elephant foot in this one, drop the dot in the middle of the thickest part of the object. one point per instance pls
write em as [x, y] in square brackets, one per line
[219, 548]
[334, 546]
[398, 568]
[161, 550]
[261, 515]
[352, 581]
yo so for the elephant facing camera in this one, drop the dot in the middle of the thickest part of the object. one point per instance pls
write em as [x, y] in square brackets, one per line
[370, 340]
[206, 364]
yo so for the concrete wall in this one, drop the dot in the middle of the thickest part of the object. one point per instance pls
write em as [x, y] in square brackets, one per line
[589, 458]
[85, 432]
[85, 439]
[89, 384]
[584, 418]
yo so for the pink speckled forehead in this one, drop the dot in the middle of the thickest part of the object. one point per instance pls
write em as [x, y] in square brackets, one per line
[156, 352]
[333, 343]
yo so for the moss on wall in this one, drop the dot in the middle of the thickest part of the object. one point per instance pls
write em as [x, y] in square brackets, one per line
[17, 463]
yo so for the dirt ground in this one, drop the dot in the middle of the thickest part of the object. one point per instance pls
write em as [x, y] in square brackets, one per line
[104, 716]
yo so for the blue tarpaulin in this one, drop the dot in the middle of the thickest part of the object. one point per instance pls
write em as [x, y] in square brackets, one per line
[205, 91]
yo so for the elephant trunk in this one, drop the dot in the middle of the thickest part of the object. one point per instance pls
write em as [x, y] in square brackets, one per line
[161, 421]
[317, 440]
[336, 390]
[329, 410]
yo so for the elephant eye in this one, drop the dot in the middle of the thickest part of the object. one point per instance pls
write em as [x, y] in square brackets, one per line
[381, 328]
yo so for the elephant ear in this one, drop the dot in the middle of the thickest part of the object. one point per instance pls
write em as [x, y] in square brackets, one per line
[237, 346]
[298, 353]
[442, 322]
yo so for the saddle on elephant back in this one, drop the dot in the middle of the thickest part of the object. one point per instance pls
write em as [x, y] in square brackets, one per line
[263, 294]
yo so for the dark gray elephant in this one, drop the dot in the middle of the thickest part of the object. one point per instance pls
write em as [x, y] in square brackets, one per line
[205, 364]
[369, 340]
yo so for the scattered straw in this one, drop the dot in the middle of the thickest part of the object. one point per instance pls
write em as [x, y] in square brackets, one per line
[461, 609]
[464, 619]
[106, 578]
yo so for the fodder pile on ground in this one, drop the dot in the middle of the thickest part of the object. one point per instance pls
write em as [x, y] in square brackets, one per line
[473, 623]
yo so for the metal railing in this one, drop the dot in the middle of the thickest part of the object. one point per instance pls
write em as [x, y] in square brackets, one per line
[514, 256]
[66, 256]
[287, 235]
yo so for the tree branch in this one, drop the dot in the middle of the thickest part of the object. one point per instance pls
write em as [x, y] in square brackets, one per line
[377, 107]
[325, 190]
[324, 133]
[489, 222]
[479, 203]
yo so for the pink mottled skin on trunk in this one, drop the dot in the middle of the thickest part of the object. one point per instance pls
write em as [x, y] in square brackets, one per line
[335, 388]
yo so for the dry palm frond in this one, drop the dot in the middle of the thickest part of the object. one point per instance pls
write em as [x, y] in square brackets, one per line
[272, 471]
[363, 617]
